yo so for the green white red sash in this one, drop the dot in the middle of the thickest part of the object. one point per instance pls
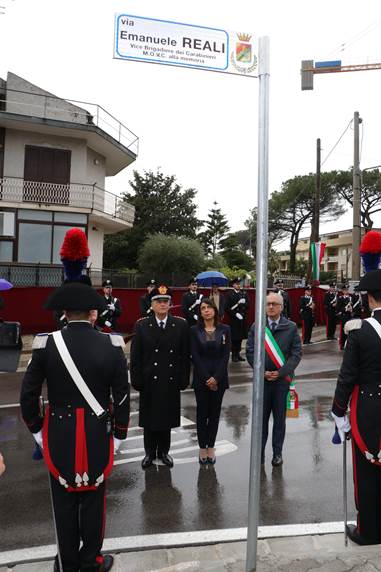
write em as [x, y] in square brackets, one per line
[274, 352]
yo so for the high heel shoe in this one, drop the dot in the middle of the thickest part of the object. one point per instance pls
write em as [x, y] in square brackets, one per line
[203, 460]
[211, 460]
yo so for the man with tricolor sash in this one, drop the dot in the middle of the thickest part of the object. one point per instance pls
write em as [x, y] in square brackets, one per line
[283, 354]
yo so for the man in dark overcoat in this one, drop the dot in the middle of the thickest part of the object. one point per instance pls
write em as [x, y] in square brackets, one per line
[190, 303]
[108, 318]
[330, 309]
[237, 306]
[160, 367]
[285, 336]
[306, 309]
[145, 301]
[359, 384]
[78, 444]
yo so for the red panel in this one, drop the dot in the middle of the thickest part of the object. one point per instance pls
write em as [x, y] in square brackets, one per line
[24, 305]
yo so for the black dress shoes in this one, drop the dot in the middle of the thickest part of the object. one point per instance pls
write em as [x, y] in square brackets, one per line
[166, 459]
[353, 534]
[240, 358]
[235, 358]
[277, 461]
[148, 461]
[108, 561]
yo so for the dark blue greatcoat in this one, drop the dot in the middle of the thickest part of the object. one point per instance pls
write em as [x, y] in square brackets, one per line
[160, 365]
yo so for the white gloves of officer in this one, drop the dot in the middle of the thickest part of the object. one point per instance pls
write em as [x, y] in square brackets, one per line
[239, 316]
[242, 301]
[117, 443]
[195, 317]
[38, 438]
[198, 301]
[342, 424]
[108, 324]
[111, 307]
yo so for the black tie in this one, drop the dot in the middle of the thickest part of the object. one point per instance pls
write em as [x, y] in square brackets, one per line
[273, 326]
[161, 325]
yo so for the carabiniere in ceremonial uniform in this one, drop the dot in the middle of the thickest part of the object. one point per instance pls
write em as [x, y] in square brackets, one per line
[78, 447]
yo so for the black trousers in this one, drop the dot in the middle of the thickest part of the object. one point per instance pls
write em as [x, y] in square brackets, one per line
[308, 324]
[236, 346]
[331, 324]
[367, 485]
[156, 442]
[275, 401]
[208, 415]
[79, 516]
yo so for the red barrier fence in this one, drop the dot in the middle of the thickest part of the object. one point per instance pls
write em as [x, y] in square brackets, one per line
[25, 305]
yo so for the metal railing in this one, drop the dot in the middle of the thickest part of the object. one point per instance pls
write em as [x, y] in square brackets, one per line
[74, 195]
[52, 107]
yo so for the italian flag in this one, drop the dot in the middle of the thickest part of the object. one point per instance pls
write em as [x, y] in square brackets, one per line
[274, 352]
[317, 251]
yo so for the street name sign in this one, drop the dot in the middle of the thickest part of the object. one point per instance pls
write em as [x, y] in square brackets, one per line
[173, 43]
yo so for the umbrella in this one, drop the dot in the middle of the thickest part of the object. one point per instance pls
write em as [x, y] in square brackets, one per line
[211, 277]
[5, 285]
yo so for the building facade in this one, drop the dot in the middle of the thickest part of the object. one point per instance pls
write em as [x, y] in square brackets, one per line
[55, 155]
[337, 256]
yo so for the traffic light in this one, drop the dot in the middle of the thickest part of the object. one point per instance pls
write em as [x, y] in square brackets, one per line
[307, 75]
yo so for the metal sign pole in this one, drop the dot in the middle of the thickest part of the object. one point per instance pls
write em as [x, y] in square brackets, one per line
[260, 316]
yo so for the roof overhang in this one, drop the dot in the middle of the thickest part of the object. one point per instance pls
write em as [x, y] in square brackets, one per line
[117, 156]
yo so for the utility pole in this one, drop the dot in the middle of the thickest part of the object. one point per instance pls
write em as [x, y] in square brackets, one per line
[356, 232]
[316, 213]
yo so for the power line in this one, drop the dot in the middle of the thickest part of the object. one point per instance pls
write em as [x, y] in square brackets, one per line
[337, 142]
[356, 38]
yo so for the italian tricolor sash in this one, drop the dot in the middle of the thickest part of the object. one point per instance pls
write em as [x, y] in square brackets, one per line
[274, 352]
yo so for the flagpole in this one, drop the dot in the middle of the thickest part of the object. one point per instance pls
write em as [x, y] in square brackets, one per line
[260, 298]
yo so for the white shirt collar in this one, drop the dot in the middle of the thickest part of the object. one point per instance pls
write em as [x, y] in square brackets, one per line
[164, 320]
[376, 309]
[274, 321]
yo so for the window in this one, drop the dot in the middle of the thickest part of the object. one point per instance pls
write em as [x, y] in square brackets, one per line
[77, 218]
[35, 215]
[35, 243]
[7, 224]
[6, 251]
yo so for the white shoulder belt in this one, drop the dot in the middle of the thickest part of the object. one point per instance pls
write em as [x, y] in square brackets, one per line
[76, 376]
[376, 325]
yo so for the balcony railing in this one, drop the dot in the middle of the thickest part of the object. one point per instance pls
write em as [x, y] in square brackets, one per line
[52, 107]
[75, 196]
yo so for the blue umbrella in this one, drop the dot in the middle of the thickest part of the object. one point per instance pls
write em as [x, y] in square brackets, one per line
[211, 277]
[5, 285]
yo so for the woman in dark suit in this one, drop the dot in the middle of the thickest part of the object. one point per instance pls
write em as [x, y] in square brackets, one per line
[210, 348]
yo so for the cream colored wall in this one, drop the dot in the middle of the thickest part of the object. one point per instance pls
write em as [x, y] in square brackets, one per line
[95, 240]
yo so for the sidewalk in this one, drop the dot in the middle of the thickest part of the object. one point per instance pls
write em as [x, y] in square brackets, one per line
[325, 553]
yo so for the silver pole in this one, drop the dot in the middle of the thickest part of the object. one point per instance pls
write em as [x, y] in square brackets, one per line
[260, 316]
[345, 494]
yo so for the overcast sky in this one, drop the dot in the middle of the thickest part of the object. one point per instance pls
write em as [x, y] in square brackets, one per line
[202, 126]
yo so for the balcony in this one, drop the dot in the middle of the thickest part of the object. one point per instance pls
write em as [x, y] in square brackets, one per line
[45, 113]
[102, 205]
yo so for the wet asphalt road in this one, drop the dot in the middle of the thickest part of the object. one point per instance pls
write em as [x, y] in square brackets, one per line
[189, 497]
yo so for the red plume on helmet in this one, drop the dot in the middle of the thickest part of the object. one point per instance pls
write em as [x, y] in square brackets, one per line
[74, 254]
[370, 250]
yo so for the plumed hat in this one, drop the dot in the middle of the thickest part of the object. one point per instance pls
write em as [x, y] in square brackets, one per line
[151, 282]
[370, 250]
[371, 281]
[192, 280]
[235, 280]
[107, 284]
[74, 254]
[75, 296]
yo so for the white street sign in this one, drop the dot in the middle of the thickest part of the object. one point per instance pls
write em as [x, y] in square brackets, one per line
[174, 43]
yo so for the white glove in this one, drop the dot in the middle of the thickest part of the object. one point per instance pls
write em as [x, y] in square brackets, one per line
[195, 317]
[239, 316]
[242, 301]
[108, 324]
[198, 301]
[117, 443]
[342, 424]
[111, 307]
[38, 438]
